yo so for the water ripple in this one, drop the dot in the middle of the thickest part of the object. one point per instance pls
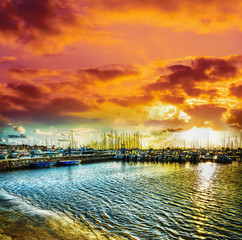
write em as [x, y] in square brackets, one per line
[138, 201]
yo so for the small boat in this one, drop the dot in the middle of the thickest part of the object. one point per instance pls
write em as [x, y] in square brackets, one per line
[69, 162]
[42, 164]
[221, 158]
[206, 157]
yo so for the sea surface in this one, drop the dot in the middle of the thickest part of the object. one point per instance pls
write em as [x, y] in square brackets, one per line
[117, 200]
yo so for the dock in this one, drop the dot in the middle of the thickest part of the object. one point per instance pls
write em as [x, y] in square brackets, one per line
[23, 163]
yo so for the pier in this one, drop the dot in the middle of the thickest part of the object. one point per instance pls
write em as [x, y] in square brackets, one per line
[22, 163]
[158, 155]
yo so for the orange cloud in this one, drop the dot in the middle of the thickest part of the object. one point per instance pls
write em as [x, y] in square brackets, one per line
[196, 91]
[30, 73]
[43, 26]
[202, 114]
[47, 27]
[105, 73]
[132, 100]
[27, 90]
[6, 59]
[199, 16]
[192, 78]
[236, 90]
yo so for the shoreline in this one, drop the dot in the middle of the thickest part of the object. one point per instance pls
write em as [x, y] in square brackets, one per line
[19, 220]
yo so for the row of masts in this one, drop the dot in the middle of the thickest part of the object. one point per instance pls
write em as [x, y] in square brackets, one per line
[115, 140]
[112, 140]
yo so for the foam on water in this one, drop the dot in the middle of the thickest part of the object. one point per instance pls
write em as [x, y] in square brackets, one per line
[29, 222]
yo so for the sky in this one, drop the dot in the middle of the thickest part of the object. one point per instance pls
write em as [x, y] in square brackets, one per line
[171, 70]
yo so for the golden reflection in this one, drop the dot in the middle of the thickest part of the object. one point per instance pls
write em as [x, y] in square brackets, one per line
[207, 171]
[203, 198]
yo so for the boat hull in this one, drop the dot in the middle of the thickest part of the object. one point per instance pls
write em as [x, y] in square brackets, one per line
[42, 164]
[72, 162]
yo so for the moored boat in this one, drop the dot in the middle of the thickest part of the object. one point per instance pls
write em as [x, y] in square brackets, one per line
[42, 164]
[222, 158]
[69, 162]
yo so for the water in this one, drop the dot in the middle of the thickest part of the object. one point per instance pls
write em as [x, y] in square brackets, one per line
[115, 200]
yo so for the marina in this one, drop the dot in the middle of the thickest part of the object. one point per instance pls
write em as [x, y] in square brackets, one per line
[120, 120]
[42, 158]
[136, 155]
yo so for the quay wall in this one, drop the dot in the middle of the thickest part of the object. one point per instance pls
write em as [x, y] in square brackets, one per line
[22, 163]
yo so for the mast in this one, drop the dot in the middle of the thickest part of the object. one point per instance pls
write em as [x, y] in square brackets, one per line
[46, 141]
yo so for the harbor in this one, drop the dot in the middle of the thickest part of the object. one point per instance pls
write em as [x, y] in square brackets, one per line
[20, 159]
[120, 120]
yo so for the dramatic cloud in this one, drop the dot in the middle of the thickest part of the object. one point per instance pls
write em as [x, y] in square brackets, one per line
[28, 22]
[152, 65]
[202, 70]
[179, 93]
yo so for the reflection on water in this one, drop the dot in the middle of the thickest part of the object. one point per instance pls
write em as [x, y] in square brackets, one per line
[117, 200]
[204, 198]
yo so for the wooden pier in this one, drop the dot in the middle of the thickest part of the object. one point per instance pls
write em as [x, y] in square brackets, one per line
[22, 163]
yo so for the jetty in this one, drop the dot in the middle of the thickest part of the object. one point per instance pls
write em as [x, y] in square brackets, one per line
[23, 163]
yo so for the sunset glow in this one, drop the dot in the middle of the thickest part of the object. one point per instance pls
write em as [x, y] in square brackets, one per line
[169, 69]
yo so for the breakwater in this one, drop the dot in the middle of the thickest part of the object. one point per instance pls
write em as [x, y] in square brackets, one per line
[21, 163]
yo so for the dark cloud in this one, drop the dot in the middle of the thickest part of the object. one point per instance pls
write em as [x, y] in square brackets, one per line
[165, 132]
[172, 130]
[64, 140]
[45, 26]
[192, 91]
[27, 90]
[236, 90]
[106, 73]
[183, 77]
[236, 117]
[44, 110]
[216, 67]
[16, 136]
[30, 15]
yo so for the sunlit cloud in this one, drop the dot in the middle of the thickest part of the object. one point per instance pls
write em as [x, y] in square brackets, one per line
[161, 67]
